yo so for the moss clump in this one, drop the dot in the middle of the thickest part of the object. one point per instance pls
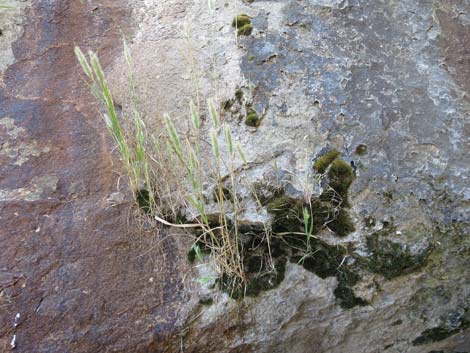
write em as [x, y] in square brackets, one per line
[262, 280]
[344, 293]
[325, 259]
[342, 224]
[340, 178]
[323, 162]
[392, 259]
[241, 20]
[252, 118]
[361, 150]
[268, 280]
[287, 213]
[245, 30]
[328, 261]
[369, 222]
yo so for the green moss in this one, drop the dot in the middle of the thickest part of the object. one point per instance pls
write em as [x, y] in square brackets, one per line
[252, 118]
[344, 293]
[251, 57]
[268, 280]
[340, 178]
[180, 218]
[245, 30]
[323, 162]
[361, 150]
[328, 261]
[287, 213]
[241, 20]
[264, 279]
[325, 259]
[458, 323]
[342, 225]
[321, 214]
[392, 259]
[193, 253]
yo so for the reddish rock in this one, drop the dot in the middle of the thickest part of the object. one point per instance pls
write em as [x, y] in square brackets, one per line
[71, 265]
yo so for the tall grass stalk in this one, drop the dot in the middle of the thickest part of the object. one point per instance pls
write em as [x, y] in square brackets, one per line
[150, 159]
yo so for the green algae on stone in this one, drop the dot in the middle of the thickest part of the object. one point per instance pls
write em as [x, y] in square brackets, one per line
[323, 162]
[252, 118]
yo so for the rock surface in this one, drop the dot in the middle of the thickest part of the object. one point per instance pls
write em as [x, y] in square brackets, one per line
[389, 76]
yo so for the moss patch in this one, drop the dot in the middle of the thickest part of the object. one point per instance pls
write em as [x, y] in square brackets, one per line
[243, 25]
[260, 277]
[328, 261]
[342, 224]
[361, 150]
[241, 20]
[323, 162]
[252, 118]
[245, 30]
[286, 213]
[340, 178]
[459, 321]
[392, 259]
